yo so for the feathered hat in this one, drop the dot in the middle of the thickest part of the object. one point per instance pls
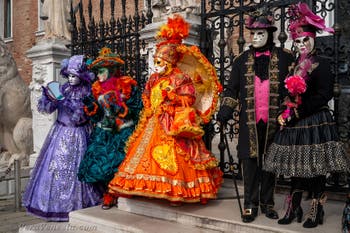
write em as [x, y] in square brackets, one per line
[303, 22]
[171, 36]
[261, 18]
[106, 59]
[76, 65]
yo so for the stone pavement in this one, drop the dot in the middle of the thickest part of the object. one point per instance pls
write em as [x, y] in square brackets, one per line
[11, 220]
[225, 208]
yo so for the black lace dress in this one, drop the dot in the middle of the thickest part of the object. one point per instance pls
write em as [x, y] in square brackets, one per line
[309, 146]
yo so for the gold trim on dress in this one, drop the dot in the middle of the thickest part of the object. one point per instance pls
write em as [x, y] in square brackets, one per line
[146, 138]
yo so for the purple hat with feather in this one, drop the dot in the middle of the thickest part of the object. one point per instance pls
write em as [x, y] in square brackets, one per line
[261, 18]
[75, 65]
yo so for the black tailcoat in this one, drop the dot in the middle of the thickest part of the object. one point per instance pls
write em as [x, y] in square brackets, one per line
[241, 87]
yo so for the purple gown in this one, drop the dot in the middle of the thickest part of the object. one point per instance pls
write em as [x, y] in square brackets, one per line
[54, 189]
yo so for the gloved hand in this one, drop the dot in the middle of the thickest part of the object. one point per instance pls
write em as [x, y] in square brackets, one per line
[225, 114]
[109, 99]
[44, 91]
[280, 120]
[47, 96]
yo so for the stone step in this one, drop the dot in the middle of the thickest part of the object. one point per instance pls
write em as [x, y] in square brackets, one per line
[144, 215]
[115, 220]
[219, 215]
[140, 214]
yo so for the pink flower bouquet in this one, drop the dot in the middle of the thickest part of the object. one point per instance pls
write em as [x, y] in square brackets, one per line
[295, 85]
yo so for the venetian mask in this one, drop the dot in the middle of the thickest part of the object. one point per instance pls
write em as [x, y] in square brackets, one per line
[103, 74]
[258, 37]
[73, 79]
[304, 44]
[161, 66]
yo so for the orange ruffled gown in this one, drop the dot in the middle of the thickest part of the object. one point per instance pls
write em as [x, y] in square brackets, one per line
[159, 163]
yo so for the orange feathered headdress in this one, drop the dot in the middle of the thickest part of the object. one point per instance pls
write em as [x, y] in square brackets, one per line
[171, 35]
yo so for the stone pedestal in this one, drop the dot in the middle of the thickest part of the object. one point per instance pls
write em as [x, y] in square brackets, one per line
[46, 57]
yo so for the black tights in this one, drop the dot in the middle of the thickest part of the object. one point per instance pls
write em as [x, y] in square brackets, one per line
[315, 185]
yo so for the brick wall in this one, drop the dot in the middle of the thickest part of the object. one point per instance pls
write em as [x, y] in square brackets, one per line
[130, 9]
[25, 24]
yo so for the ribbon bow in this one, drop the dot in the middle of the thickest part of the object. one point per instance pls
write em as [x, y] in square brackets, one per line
[266, 53]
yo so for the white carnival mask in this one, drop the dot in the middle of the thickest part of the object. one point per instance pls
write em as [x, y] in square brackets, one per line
[160, 66]
[304, 44]
[259, 37]
[73, 80]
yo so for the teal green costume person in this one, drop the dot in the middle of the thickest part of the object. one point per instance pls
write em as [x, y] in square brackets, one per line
[113, 107]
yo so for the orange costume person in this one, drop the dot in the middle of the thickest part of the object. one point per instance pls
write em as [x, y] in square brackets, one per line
[166, 156]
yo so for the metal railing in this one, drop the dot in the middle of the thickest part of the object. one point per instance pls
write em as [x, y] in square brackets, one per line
[16, 177]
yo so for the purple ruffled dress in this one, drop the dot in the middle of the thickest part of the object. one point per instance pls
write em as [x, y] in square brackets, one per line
[54, 189]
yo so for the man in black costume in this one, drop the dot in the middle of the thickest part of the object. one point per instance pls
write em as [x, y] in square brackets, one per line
[255, 84]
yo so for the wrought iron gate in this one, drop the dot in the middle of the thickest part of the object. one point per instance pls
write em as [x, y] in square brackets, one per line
[223, 37]
[121, 34]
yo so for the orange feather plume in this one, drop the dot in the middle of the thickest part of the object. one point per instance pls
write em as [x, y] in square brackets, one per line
[174, 31]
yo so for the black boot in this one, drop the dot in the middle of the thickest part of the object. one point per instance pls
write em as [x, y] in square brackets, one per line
[315, 216]
[294, 209]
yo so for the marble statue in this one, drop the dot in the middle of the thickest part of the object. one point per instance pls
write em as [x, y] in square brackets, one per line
[168, 7]
[159, 8]
[16, 137]
[55, 13]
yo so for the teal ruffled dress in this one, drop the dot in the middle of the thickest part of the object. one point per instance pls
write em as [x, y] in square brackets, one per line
[105, 150]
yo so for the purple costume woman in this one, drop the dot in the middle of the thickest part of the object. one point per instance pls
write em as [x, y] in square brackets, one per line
[54, 189]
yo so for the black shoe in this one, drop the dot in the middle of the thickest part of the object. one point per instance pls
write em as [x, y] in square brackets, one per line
[315, 216]
[109, 200]
[106, 207]
[249, 215]
[269, 212]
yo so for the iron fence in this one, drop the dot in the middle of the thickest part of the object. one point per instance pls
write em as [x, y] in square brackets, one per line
[223, 38]
[120, 34]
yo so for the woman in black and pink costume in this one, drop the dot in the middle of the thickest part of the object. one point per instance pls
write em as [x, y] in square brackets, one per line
[307, 146]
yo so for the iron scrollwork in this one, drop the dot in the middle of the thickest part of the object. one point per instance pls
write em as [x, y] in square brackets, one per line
[225, 22]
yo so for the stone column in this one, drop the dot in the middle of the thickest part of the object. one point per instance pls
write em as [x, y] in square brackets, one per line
[46, 57]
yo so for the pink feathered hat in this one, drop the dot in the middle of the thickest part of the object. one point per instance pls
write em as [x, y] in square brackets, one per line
[303, 22]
